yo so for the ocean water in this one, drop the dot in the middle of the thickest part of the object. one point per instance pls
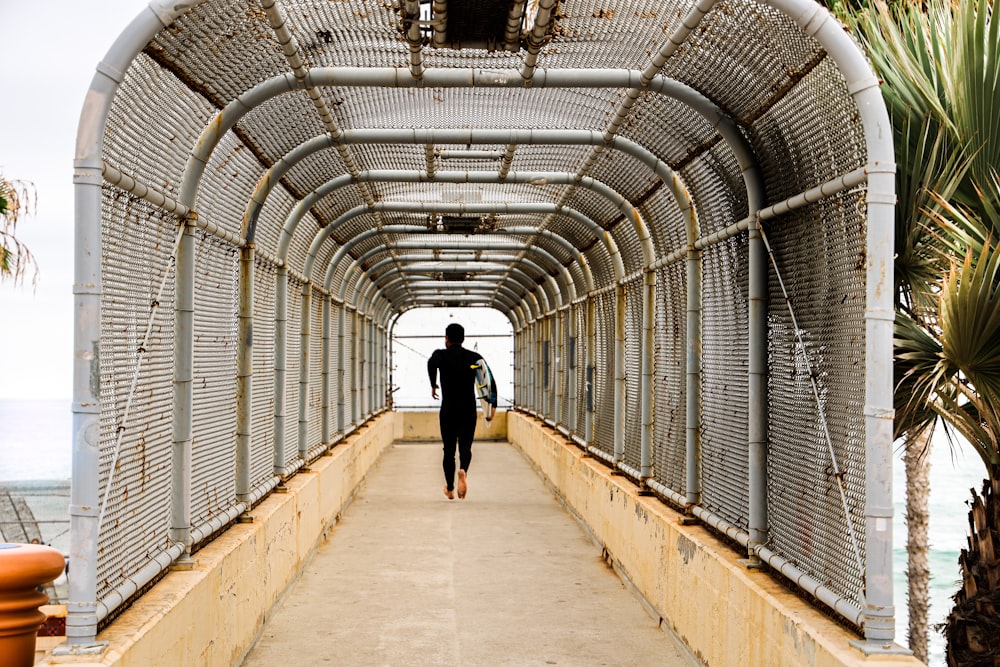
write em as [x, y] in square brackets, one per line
[36, 439]
[36, 444]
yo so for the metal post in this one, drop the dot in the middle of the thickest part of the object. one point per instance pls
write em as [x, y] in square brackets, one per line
[372, 404]
[532, 368]
[244, 373]
[180, 486]
[341, 368]
[81, 618]
[280, 329]
[515, 370]
[355, 368]
[84, 505]
[646, 385]
[757, 394]
[693, 374]
[305, 329]
[591, 342]
[548, 354]
[325, 381]
[559, 372]
[571, 387]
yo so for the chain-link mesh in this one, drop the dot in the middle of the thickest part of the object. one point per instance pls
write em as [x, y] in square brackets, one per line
[565, 365]
[669, 380]
[583, 342]
[604, 374]
[262, 423]
[633, 370]
[314, 401]
[336, 388]
[138, 243]
[213, 485]
[293, 361]
[725, 381]
[826, 290]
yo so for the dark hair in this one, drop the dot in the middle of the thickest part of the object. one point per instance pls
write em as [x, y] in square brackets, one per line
[455, 332]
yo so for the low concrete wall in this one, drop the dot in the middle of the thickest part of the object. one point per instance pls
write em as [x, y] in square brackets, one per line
[424, 426]
[726, 613]
[211, 614]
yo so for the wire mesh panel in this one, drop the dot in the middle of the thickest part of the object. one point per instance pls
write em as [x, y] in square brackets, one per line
[262, 423]
[725, 380]
[213, 487]
[336, 379]
[136, 385]
[582, 343]
[826, 289]
[604, 374]
[565, 365]
[633, 370]
[549, 365]
[669, 380]
[314, 402]
[293, 362]
[347, 367]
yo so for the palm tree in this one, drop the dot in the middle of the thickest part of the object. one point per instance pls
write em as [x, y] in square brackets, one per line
[16, 200]
[939, 61]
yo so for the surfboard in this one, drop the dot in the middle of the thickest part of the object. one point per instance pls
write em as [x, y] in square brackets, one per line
[484, 389]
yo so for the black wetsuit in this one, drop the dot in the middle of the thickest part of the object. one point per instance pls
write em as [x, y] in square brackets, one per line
[458, 404]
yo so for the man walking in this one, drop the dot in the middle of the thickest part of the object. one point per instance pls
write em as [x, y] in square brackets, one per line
[457, 367]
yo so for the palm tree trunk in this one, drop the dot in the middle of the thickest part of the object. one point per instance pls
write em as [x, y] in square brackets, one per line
[916, 458]
[973, 627]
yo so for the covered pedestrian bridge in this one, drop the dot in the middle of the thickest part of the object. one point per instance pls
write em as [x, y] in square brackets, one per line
[684, 209]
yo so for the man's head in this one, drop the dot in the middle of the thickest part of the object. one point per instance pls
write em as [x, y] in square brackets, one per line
[455, 333]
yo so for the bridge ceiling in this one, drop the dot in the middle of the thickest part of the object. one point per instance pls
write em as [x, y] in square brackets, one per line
[748, 65]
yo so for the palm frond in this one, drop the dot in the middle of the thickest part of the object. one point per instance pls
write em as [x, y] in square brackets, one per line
[929, 172]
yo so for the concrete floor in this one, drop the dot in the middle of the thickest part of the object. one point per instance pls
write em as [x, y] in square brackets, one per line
[504, 577]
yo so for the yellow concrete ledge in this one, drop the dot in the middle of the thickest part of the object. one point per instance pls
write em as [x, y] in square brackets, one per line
[211, 614]
[424, 426]
[727, 614]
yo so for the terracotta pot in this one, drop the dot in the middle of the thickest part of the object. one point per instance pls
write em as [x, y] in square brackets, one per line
[23, 568]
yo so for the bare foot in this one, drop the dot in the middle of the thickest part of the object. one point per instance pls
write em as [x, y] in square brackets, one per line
[463, 486]
[448, 492]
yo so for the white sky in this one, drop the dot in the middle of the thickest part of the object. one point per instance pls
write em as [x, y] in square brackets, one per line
[49, 50]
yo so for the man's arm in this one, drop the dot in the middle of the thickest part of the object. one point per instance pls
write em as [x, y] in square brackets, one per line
[432, 368]
[493, 391]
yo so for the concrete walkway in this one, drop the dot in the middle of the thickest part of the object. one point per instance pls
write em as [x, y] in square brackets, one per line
[504, 577]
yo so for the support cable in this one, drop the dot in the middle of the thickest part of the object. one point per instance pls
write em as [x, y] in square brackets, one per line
[837, 473]
[154, 306]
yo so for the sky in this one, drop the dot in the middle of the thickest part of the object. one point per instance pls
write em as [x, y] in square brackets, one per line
[49, 51]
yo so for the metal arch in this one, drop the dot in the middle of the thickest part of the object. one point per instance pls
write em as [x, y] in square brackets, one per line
[419, 207]
[529, 283]
[494, 245]
[472, 266]
[397, 277]
[504, 292]
[588, 285]
[485, 291]
[295, 216]
[522, 278]
[555, 264]
[390, 287]
[413, 176]
[499, 266]
[395, 77]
